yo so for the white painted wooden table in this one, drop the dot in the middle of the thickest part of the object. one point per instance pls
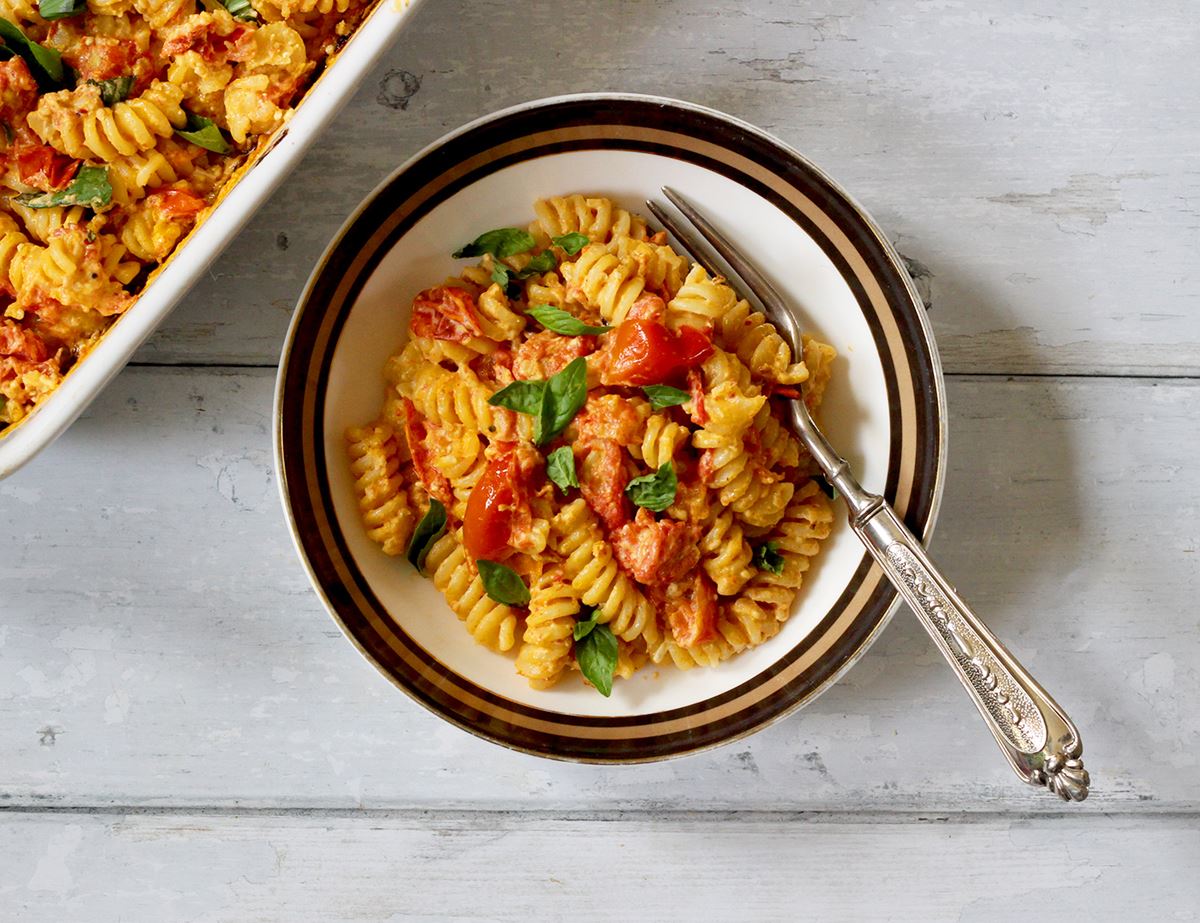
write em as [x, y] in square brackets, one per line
[184, 734]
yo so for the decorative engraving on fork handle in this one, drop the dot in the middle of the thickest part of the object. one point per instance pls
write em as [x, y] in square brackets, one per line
[1010, 707]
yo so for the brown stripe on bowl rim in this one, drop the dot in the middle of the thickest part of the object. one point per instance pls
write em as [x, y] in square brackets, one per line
[848, 237]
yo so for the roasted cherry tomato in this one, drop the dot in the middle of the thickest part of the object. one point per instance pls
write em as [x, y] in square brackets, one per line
[487, 525]
[445, 313]
[646, 353]
[178, 203]
[691, 607]
[42, 167]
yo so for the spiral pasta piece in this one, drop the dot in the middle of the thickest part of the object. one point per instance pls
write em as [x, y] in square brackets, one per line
[547, 642]
[597, 217]
[41, 223]
[375, 455]
[10, 239]
[725, 554]
[490, 623]
[457, 399]
[589, 564]
[599, 279]
[661, 439]
[660, 267]
[757, 496]
[77, 124]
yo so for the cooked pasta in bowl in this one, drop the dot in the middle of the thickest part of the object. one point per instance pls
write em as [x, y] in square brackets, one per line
[510, 405]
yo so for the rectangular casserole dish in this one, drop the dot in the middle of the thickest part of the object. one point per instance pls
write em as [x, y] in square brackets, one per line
[243, 194]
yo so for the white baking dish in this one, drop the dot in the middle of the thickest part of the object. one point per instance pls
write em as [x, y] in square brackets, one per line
[19, 443]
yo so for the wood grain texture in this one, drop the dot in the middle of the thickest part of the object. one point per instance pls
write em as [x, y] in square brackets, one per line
[1038, 166]
[504, 867]
[159, 643]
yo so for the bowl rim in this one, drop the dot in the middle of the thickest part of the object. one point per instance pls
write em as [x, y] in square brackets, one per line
[920, 314]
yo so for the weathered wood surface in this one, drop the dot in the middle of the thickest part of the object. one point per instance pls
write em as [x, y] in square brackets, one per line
[534, 867]
[164, 667]
[161, 645]
[1038, 163]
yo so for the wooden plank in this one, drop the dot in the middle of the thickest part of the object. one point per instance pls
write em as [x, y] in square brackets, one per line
[159, 642]
[509, 867]
[1037, 167]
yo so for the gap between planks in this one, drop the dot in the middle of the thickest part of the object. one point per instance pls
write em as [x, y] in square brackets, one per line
[460, 815]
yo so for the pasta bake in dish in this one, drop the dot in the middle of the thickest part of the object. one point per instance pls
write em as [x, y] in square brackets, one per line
[122, 123]
[582, 445]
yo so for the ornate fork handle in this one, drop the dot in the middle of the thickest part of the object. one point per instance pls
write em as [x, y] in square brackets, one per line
[1035, 734]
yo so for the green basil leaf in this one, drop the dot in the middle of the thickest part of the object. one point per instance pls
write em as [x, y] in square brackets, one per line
[826, 488]
[499, 243]
[596, 655]
[203, 133]
[241, 9]
[560, 468]
[501, 275]
[585, 621]
[44, 63]
[572, 243]
[565, 395]
[559, 321]
[543, 262]
[521, 396]
[503, 584]
[665, 396]
[767, 557]
[115, 90]
[61, 9]
[428, 531]
[654, 491]
[89, 188]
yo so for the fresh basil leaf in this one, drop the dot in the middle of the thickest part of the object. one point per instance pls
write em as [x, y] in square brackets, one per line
[61, 9]
[114, 90]
[585, 621]
[662, 396]
[572, 243]
[654, 491]
[501, 274]
[241, 9]
[767, 557]
[499, 243]
[560, 468]
[559, 321]
[203, 133]
[543, 262]
[826, 488]
[521, 396]
[90, 188]
[428, 531]
[565, 395]
[503, 584]
[596, 655]
[44, 63]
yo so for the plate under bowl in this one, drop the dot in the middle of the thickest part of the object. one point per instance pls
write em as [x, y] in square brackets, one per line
[884, 408]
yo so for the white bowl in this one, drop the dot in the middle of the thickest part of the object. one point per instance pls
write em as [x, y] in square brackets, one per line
[883, 409]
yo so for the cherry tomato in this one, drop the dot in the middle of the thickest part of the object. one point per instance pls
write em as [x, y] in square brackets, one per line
[445, 313]
[646, 353]
[692, 609]
[415, 433]
[178, 203]
[487, 525]
[44, 168]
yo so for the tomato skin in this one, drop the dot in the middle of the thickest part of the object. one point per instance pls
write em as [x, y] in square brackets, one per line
[646, 353]
[415, 433]
[44, 168]
[445, 313]
[178, 203]
[487, 525]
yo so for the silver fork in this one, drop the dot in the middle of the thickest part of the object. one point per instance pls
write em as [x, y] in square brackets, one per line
[1040, 742]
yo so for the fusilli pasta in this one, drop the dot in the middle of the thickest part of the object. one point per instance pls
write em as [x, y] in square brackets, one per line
[598, 512]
